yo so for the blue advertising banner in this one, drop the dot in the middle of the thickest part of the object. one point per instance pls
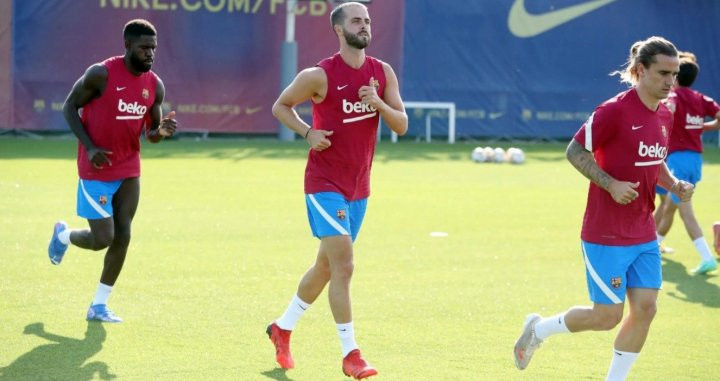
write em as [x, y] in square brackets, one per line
[219, 59]
[538, 68]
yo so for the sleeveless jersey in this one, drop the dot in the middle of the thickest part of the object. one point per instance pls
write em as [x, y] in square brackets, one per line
[629, 142]
[115, 120]
[691, 109]
[345, 166]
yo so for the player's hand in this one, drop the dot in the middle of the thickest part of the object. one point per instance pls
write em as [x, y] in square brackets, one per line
[368, 94]
[683, 189]
[623, 192]
[318, 139]
[98, 157]
[167, 125]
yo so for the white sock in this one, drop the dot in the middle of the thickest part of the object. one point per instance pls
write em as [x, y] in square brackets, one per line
[293, 313]
[660, 238]
[702, 247]
[549, 326]
[102, 294]
[620, 365]
[64, 236]
[346, 332]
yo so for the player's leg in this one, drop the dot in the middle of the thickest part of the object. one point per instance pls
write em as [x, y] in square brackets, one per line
[662, 195]
[125, 202]
[322, 223]
[644, 279]
[707, 261]
[664, 217]
[340, 257]
[354, 365]
[94, 203]
[689, 168]
[605, 271]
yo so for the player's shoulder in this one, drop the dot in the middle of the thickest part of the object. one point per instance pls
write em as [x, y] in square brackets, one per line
[313, 77]
[611, 105]
[96, 76]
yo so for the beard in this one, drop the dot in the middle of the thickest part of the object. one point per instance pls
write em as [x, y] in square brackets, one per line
[356, 41]
[140, 65]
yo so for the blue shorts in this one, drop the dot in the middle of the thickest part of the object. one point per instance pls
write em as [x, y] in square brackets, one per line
[685, 165]
[330, 214]
[611, 270]
[94, 198]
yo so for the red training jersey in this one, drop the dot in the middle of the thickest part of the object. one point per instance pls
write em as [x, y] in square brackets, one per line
[629, 142]
[691, 107]
[345, 166]
[115, 120]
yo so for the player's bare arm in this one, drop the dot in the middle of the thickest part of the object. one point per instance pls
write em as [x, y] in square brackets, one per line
[683, 189]
[160, 127]
[713, 125]
[309, 84]
[88, 87]
[623, 192]
[391, 108]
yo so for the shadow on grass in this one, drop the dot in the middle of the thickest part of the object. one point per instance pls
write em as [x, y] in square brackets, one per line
[690, 288]
[278, 374]
[63, 359]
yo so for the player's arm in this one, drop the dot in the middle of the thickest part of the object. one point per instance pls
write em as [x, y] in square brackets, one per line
[309, 84]
[712, 125]
[88, 87]
[622, 192]
[683, 189]
[160, 127]
[390, 107]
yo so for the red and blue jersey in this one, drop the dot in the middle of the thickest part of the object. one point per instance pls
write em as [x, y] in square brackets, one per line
[691, 108]
[115, 120]
[629, 142]
[345, 166]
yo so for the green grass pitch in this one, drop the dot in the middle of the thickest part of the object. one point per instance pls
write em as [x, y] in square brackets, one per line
[220, 241]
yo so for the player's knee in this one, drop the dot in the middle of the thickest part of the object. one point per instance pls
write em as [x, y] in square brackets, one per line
[102, 240]
[122, 237]
[607, 320]
[645, 310]
[344, 270]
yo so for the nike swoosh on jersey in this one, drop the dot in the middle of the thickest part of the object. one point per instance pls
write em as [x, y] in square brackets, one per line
[524, 24]
[342, 87]
[636, 127]
[120, 88]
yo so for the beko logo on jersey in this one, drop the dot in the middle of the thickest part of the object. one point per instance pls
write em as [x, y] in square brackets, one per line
[349, 107]
[693, 122]
[656, 152]
[132, 108]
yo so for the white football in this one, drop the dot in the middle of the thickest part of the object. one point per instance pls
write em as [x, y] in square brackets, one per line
[516, 156]
[499, 155]
[478, 155]
[489, 154]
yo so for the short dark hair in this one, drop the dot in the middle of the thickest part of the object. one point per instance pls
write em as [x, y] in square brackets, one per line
[688, 72]
[337, 16]
[138, 27]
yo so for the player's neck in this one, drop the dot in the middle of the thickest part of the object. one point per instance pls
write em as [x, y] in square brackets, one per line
[353, 57]
[129, 66]
[648, 100]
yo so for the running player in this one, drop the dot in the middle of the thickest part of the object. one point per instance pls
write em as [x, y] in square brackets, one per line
[621, 148]
[349, 93]
[690, 108]
[118, 97]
